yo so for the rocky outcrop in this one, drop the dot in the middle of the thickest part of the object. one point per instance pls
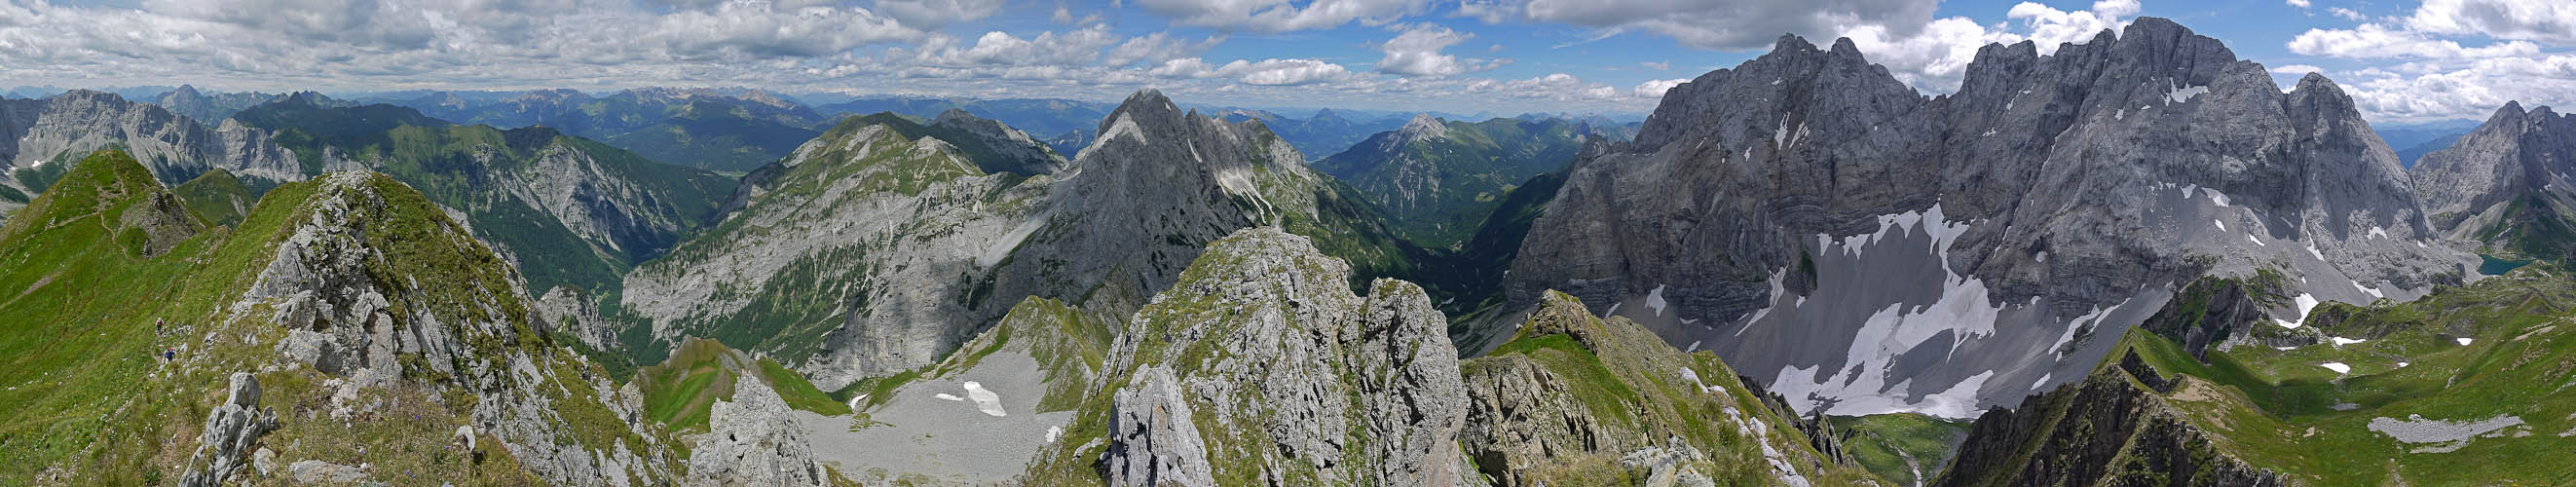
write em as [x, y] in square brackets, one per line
[455, 321]
[60, 129]
[2105, 430]
[231, 428]
[892, 243]
[1776, 210]
[751, 441]
[2501, 187]
[577, 314]
[1573, 394]
[321, 472]
[1261, 366]
[2215, 313]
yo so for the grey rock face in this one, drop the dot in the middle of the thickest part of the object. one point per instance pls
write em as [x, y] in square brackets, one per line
[577, 314]
[916, 270]
[321, 472]
[1157, 442]
[321, 285]
[750, 440]
[174, 147]
[231, 429]
[1299, 381]
[886, 266]
[2517, 156]
[1794, 212]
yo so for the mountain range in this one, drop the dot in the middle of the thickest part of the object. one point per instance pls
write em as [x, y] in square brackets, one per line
[2135, 260]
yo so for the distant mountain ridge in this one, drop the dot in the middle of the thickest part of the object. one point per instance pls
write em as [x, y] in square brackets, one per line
[1439, 179]
[717, 129]
[41, 139]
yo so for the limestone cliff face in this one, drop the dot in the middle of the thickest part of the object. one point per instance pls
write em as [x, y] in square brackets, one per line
[62, 129]
[2502, 185]
[1792, 212]
[383, 294]
[885, 244]
[750, 440]
[1261, 366]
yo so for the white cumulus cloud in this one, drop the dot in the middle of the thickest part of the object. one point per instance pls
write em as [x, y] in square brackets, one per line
[1281, 15]
[1416, 52]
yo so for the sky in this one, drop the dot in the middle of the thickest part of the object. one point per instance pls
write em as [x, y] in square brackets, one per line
[2403, 61]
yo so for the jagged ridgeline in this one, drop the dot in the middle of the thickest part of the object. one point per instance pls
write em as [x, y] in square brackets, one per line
[345, 329]
[2496, 188]
[1865, 248]
[41, 140]
[1261, 366]
[886, 243]
[567, 211]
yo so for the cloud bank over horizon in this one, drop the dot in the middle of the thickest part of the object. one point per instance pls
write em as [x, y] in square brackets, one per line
[2435, 60]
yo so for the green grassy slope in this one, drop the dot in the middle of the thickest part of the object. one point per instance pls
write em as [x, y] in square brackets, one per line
[1904, 448]
[1634, 390]
[217, 197]
[680, 391]
[89, 401]
[2504, 347]
[1438, 189]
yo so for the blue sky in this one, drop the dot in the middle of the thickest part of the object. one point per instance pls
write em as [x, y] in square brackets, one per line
[2405, 61]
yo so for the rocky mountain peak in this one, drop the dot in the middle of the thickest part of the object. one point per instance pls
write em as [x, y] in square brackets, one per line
[2013, 184]
[1147, 104]
[1423, 127]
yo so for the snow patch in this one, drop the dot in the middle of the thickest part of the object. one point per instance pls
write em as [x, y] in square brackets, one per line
[1054, 433]
[1694, 347]
[947, 397]
[2370, 291]
[2257, 242]
[985, 400]
[2312, 251]
[2184, 94]
[2222, 224]
[2376, 232]
[2465, 341]
[1655, 300]
[2341, 341]
[2043, 380]
[2305, 302]
[2093, 318]
[2338, 367]
[1778, 291]
[1960, 401]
